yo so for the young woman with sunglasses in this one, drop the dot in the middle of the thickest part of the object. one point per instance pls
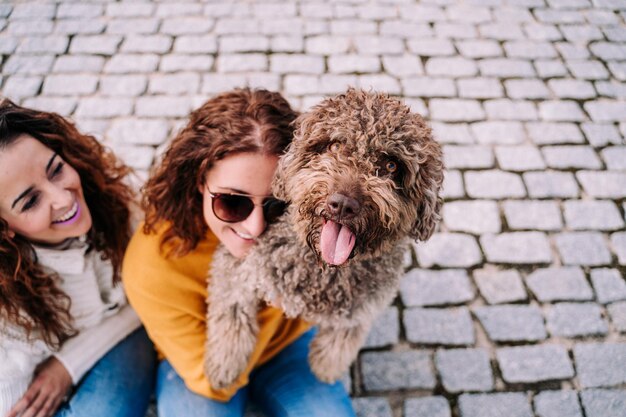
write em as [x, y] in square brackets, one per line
[212, 186]
[69, 343]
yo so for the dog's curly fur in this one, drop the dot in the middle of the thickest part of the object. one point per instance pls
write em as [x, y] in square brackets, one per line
[371, 149]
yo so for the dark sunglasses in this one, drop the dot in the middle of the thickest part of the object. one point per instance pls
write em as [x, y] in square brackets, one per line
[233, 208]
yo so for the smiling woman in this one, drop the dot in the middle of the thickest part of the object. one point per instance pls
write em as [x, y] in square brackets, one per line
[69, 343]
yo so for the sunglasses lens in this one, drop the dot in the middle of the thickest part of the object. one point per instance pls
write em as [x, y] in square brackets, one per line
[273, 209]
[232, 208]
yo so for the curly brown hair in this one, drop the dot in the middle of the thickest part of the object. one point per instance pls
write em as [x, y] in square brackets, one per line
[238, 121]
[30, 297]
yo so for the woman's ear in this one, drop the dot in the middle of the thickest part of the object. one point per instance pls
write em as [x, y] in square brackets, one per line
[11, 233]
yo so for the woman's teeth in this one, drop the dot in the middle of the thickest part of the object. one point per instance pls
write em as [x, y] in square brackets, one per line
[243, 235]
[71, 213]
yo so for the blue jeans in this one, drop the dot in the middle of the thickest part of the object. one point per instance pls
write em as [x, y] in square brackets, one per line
[284, 386]
[119, 384]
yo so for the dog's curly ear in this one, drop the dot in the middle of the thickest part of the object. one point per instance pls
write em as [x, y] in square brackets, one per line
[428, 210]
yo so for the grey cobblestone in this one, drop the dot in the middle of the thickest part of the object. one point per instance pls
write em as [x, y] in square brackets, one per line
[371, 407]
[427, 407]
[608, 285]
[451, 67]
[505, 109]
[561, 111]
[456, 110]
[472, 216]
[493, 184]
[545, 133]
[30, 27]
[140, 25]
[146, 44]
[572, 88]
[138, 131]
[73, 84]
[615, 157]
[479, 48]
[529, 364]
[532, 214]
[506, 68]
[449, 250]
[573, 51]
[600, 364]
[595, 215]
[497, 132]
[551, 184]
[582, 248]
[392, 370]
[28, 64]
[162, 106]
[512, 323]
[123, 85]
[377, 45]
[530, 50]
[550, 68]
[431, 47]
[601, 134]
[618, 241]
[104, 107]
[517, 248]
[49, 44]
[429, 326]
[464, 370]
[468, 157]
[501, 31]
[129, 9]
[131, 63]
[557, 404]
[588, 70]
[452, 185]
[62, 105]
[611, 89]
[174, 84]
[429, 87]
[603, 184]
[603, 402]
[526, 89]
[575, 320]
[494, 405]
[79, 26]
[519, 158]
[604, 110]
[18, 87]
[96, 44]
[542, 32]
[480, 88]
[452, 132]
[498, 287]
[617, 311]
[385, 330]
[422, 287]
[456, 30]
[351, 63]
[564, 157]
[558, 284]
[78, 63]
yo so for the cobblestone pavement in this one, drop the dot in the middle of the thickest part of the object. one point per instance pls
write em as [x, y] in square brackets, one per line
[517, 306]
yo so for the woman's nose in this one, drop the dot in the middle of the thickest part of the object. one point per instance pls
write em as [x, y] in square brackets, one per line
[60, 197]
[255, 223]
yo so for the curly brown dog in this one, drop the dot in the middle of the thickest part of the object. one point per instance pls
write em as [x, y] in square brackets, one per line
[362, 176]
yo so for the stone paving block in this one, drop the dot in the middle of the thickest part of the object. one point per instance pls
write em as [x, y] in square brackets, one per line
[592, 214]
[573, 51]
[131, 63]
[530, 49]
[405, 29]
[428, 87]
[79, 26]
[452, 132]
[147, 43]
[452, 185]
[430, 326]
[559, 16]
[456, 110]
[371, 407]
[341, 64]
[519, 158]
[516, 248]
[558, 284]
[454, 67]
[551, 184]
[498, 132]
[607, 184]
[526, 89]
[566, 157]
[38, 45]
[456, 30]
[532, 364]
[97, 107]
[379, 82]
[572, 88]
[136, 157]
[30, 27]
[352, 27]
[608, 285]
[431, 47]
[468, 157]
[385, 330]
[422, 287]
[561, 111]
[557, 404]
[166, 10]
[498, 287]
[174, 84]
[29, 10]
[604, 110]
[614, 157]
[618, 69]
[402, 65]
[427, 407]
[512, 323]
[532, 214]
[62, 105]
[501, 31]
[494, 405]
[581, 33]
[129, 9]
[493, 184]
[588, 70]
[608, 51]
[397, 370]
[377, 45]
[542, 32]
[618, 241]
[468, 13]
[546, 133]
[600, 364]
[131, 85]
[479, 48]
[475, 217]
[28, 64]
[550, 68]
[327, 45]
[79, 10]
[286, 43]
[74, 84]
[480, 88]
[582, 248]
[452, 250]
[604, 402]
[464, 370]
[95, 44]
[78, 63]
[244, 63]
[8, 45]
[576, 320]
[195, 44]
[601, 134]
[18, 87]
[617, 311]
[505, 109]
[138, 131]
[162, 106]
[506, 68]
[237, 25]
[139, 25]
[186, 25]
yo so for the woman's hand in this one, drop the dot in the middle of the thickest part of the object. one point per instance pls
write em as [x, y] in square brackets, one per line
[51, 384]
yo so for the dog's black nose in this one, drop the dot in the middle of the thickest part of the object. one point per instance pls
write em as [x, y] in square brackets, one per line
[342, 207]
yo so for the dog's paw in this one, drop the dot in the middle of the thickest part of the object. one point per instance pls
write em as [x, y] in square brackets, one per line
[221, 373]
[328, 365]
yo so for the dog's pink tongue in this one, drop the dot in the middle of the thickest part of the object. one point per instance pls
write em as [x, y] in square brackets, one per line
[336, 243]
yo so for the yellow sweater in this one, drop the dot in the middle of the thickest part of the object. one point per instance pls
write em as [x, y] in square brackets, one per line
[169, 295]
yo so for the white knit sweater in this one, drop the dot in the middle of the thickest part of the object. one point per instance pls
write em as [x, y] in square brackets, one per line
[99, 311]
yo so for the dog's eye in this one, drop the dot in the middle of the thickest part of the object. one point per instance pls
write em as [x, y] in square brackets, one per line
[391, 167]
[334, 147]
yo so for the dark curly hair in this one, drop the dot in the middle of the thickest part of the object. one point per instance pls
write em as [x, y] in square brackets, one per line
[239, 121]
[30, 297]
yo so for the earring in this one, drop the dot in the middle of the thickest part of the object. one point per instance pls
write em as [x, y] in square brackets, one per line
[11, 234]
